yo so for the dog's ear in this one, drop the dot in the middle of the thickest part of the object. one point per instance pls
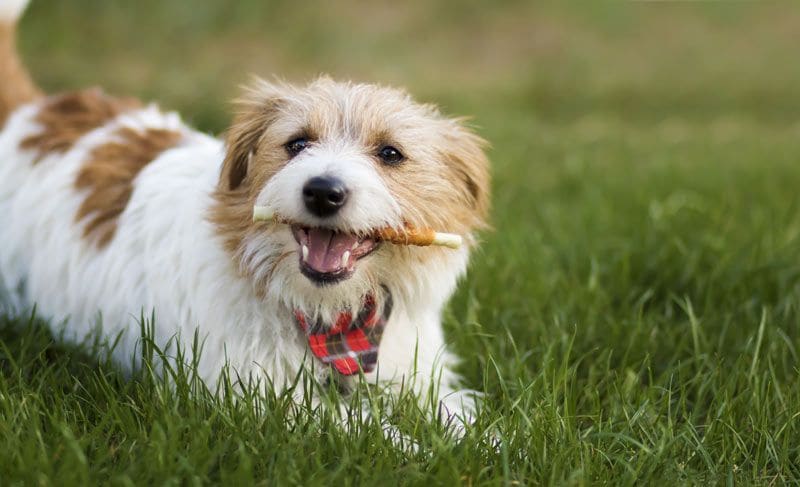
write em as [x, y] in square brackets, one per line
[466, 156]
[256, 110]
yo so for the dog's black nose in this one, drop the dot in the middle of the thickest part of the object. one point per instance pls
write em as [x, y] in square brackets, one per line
[325, 195]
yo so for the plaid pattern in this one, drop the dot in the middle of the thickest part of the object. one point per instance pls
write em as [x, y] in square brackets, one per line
[350, 344]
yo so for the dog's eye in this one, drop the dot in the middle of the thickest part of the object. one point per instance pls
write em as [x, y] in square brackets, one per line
[390, 155]
[296, 146]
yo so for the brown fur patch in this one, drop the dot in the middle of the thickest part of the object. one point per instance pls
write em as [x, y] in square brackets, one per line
[16, 86]
[68, 117]
[239, 183]
[109, 173]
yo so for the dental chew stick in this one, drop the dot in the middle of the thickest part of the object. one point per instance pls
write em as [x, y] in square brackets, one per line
[262, 213]
[421, 237]
[407, 236]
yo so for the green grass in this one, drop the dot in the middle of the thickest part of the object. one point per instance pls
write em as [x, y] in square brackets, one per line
[633, 318]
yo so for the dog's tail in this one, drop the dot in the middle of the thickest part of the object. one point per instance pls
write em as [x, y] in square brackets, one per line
[16, 86]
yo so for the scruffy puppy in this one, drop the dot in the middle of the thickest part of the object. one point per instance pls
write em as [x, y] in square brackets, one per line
[110, 209]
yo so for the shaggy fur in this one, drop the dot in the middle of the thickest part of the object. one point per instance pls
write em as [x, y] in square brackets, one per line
[64, 119]
[111, 209]
[109, 176]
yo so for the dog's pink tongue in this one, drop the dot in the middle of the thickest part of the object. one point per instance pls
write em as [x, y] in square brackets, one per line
[326, 248]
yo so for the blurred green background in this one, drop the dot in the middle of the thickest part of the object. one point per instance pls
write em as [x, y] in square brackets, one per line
[552, 61]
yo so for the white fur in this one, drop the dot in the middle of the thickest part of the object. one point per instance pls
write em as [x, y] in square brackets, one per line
[11, 10]
[369, 205]
[166, 258]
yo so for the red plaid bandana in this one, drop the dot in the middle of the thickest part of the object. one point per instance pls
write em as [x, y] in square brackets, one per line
[350, 344]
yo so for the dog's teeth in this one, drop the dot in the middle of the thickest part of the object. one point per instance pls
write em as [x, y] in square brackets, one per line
[305, 253]
[355, 246]
[345, 258]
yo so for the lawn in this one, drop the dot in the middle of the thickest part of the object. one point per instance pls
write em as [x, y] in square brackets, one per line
[633, 317]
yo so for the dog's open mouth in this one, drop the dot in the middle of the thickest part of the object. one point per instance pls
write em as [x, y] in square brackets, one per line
[329, 256]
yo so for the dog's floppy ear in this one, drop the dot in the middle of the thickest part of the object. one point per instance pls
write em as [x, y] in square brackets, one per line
[256, 110]
[466, 155]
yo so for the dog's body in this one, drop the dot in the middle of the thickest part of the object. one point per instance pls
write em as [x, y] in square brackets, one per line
[111, 210]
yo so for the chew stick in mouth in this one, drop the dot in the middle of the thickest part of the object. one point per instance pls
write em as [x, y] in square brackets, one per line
[406, 236]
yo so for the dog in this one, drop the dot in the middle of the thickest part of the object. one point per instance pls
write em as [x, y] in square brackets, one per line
[111, 210]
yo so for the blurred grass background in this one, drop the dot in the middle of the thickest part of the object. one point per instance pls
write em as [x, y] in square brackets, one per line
[638, 61]
[633, 317]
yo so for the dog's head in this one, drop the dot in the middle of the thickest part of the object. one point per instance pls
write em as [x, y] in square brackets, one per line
[339, 161]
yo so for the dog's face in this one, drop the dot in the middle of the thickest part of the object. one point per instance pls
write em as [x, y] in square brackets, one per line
[339, 161]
